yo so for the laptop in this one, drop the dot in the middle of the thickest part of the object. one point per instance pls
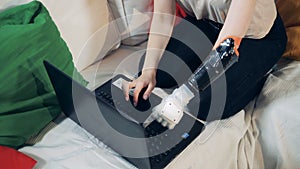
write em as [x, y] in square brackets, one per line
[106, 114]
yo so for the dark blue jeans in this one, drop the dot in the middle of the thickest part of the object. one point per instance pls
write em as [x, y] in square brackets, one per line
[189, 45]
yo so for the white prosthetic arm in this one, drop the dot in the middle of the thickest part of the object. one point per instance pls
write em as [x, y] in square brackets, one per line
[170, 111]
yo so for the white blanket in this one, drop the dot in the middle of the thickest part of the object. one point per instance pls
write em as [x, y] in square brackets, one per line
[277, 114]
[233, 145]
[265, 135]
[68, 146]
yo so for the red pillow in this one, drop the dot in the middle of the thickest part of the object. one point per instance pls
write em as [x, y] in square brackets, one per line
[179, 11]
[13, 159]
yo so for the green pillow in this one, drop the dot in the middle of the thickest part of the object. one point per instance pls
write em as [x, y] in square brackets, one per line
[28, 103]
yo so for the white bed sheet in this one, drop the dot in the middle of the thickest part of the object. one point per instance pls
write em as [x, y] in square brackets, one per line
[277, 114]
[68, 146]
[266, 136]
[233, 145]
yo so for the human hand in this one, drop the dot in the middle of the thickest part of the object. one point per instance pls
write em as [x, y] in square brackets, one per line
[146, 79]
[170, 111]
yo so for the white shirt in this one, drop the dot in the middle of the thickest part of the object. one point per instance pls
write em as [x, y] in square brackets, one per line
[216, 10]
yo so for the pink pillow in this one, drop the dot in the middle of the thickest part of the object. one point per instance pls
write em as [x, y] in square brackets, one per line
[13, 159]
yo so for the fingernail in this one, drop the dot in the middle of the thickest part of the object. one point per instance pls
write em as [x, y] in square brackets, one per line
[126, 98]
[135, 104]
[145, 97]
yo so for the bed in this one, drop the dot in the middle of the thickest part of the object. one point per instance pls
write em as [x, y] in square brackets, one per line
[263, 135]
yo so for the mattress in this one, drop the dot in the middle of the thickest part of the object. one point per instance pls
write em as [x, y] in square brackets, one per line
[263, 135]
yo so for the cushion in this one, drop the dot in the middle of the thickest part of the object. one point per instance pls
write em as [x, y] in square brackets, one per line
[86, 27]
[5, 4]
[133, 19]
[290, 13]
[12, 159]
[28, 102]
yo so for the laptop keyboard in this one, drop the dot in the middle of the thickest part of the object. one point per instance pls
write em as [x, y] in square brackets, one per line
[105, 97]
[158, 137]
[155, 144]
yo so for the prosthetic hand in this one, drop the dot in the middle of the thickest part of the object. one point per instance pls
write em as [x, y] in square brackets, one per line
[170, 111]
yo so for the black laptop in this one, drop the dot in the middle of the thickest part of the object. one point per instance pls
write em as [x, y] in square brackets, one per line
[118, 124]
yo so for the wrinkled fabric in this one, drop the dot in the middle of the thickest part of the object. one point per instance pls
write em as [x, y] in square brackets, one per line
[277, 116]
[68, 146]
[229, 144]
